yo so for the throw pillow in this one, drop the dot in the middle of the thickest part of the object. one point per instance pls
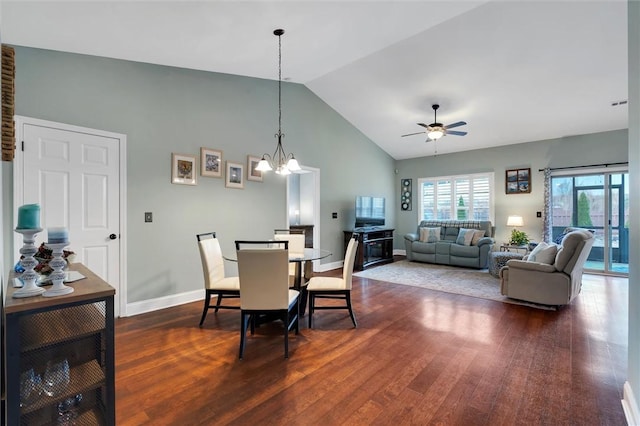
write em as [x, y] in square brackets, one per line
[477, 234]
[465, 236]
[543, 253]
[429, 235]
[560, 237]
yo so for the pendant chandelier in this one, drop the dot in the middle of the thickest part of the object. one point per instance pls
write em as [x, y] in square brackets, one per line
[282, 162]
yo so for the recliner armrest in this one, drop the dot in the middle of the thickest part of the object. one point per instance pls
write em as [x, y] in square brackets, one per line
[530, 266]
[411, 237]
[485, 240]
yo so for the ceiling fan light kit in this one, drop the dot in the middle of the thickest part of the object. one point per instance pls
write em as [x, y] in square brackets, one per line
[437, 130]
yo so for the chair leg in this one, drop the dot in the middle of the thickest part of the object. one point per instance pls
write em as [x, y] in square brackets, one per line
[303, 299]
[312, 299]
[353, 317]
[244, 322]
[207, 300]
[218, 302]
[298, 316]
[286, 335]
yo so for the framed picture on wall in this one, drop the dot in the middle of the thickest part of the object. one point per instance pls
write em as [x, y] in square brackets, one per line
[183, 169]
[234, 175]
[210, 162]
[518, 181]
[252, 173]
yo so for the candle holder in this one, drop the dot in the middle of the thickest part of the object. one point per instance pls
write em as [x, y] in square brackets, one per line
[58, 275]
[28, 262]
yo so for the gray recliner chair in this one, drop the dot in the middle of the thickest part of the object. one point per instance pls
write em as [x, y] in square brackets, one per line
[549, 284]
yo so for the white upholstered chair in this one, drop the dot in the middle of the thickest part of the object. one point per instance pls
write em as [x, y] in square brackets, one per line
[263, 268]
[334, 288]
[215, 282]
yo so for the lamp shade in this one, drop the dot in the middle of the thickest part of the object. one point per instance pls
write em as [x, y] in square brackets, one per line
[515, 221]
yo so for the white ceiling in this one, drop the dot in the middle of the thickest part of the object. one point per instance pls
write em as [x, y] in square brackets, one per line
[515, 71]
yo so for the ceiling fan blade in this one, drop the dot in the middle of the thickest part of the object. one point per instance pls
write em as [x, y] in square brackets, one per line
[456, 133]
[411, 134]
[423, 125]
[458, 124]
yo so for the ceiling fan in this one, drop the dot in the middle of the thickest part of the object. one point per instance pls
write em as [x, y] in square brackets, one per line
[437, 130]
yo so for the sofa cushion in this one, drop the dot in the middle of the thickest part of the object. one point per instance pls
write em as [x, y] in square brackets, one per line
[477, 234]
[543, 253]
[429, 235]
[465, 236]
[459, 250]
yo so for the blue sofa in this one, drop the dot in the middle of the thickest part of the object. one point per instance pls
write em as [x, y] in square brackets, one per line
[448, 249]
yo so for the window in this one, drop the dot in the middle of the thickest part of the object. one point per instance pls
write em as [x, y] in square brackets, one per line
[464, 197]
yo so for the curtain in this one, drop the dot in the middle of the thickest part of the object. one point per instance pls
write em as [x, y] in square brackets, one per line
[546, 218]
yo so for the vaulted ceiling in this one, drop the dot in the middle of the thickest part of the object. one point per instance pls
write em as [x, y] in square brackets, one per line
[515, 71]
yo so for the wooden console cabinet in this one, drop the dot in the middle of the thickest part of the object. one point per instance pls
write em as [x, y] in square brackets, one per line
[375, 246]
[75, 331]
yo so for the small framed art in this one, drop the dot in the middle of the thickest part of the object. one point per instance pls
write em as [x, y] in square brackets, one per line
[183, 169]
[210, 162]
[405, 191]
[252, 173]
[234, 175]
[518, 181]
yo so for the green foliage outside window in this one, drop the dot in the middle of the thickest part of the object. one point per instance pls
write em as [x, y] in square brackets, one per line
[584, 213]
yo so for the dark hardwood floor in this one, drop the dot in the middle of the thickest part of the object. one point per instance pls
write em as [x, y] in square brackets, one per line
[417, 357]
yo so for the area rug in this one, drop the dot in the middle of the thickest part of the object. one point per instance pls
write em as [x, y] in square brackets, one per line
[450, 279]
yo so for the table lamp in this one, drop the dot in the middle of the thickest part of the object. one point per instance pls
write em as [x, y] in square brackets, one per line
[517, 237]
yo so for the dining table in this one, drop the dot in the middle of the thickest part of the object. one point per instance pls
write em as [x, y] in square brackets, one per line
[309, 255]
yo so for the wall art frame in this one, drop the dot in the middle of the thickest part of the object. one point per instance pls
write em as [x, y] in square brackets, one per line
[405, 194]
[210, 162]
[183, 169]
[252, 173]
[518, 181]
[234, 175]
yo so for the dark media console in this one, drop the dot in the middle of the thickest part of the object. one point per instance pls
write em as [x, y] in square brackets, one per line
[375, 246]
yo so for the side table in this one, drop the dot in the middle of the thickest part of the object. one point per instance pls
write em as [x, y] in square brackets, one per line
[515, 248]
[498, 259]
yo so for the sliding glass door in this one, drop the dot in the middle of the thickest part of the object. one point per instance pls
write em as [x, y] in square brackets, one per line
[599, 202]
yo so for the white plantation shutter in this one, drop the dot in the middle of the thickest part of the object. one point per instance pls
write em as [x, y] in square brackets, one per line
[441, 197]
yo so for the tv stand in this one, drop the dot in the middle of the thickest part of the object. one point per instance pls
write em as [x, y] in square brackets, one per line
[375, 246]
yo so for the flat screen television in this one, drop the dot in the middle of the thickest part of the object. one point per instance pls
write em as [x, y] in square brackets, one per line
[369, 211]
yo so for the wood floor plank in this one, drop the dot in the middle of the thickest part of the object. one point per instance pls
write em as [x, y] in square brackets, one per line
[418, 356]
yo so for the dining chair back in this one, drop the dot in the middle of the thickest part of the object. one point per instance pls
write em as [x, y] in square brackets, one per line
[215, 281]
[320, 287]
[263, 268]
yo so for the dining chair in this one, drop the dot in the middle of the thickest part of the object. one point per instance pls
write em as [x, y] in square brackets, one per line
[333, 287]
[263, 267]
[215, 282]
[296, 245]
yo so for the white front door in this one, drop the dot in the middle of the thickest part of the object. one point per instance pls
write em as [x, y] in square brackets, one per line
[74, 175]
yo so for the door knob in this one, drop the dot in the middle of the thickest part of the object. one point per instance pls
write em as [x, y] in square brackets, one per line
[113, 236]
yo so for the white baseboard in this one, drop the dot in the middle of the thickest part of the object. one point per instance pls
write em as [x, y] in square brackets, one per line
[399, 252]
[630, 406]
[137, 308]
[151, 305]
[329, 266]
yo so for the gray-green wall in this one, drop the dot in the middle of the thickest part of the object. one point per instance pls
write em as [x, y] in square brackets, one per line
[597, 148]
[164, 110]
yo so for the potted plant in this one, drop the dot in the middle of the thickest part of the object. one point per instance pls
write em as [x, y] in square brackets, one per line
[519, 238]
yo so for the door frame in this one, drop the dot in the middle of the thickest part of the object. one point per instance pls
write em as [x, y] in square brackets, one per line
[316, 207]
[18, 185]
